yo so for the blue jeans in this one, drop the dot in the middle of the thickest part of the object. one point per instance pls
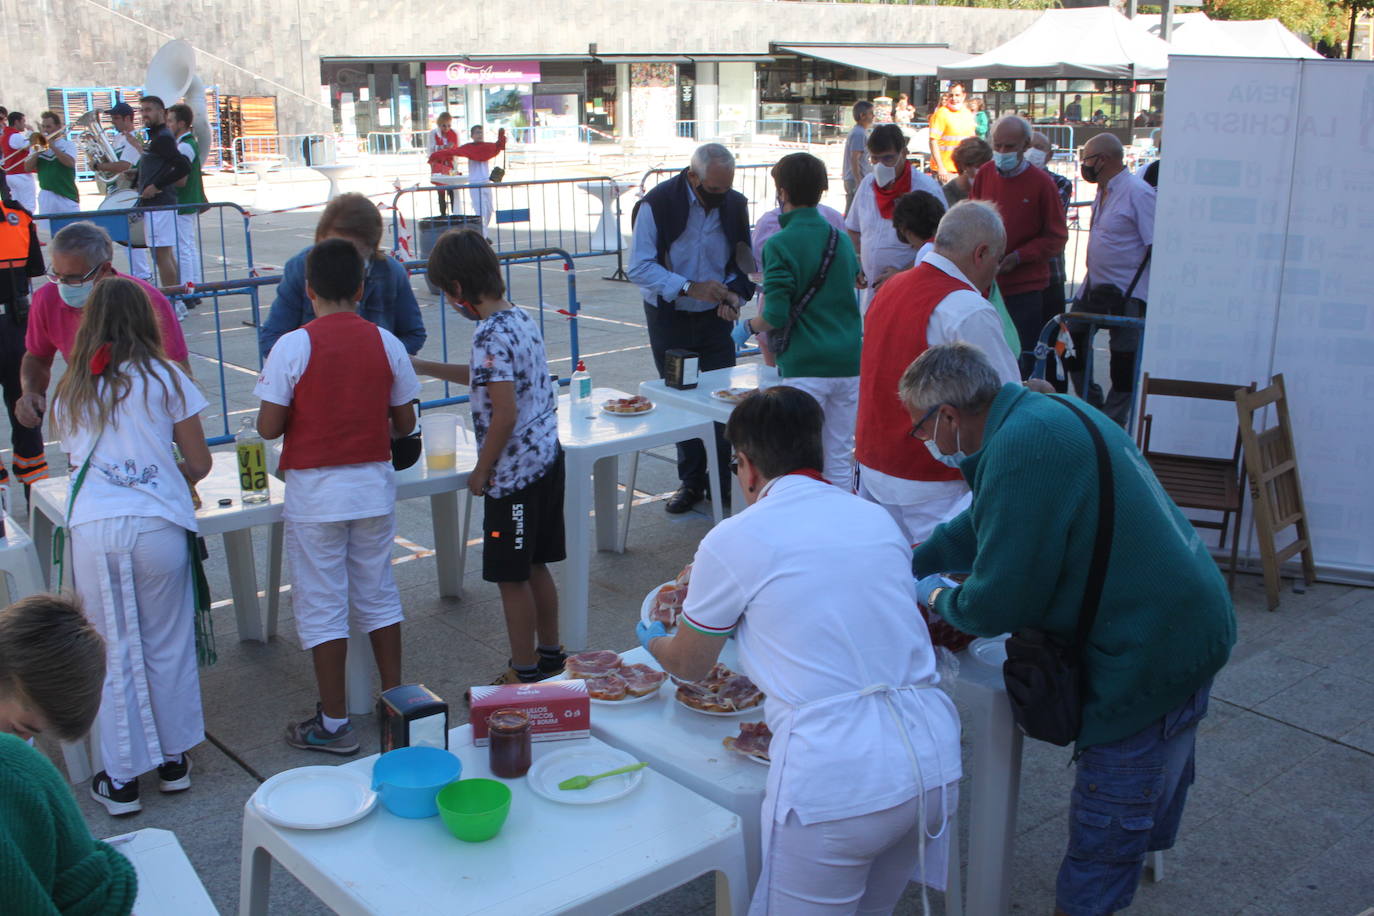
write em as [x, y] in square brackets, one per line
[1127, 801]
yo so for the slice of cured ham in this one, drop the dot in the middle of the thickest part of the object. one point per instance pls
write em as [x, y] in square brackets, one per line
[641, 680]
[610, 687]
[753, 739]
[739, 692]
[592, 664]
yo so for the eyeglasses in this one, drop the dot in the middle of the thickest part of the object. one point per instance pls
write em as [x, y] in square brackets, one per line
[70, 280]
[734, 464]
[915, 431]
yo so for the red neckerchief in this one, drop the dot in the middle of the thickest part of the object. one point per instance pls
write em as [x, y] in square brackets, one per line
[807, 472]
[887, 197]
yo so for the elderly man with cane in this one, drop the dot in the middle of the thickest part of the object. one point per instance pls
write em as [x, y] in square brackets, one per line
[1113, 601]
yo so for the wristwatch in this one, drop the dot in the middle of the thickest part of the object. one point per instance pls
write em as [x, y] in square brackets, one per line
[686, 287]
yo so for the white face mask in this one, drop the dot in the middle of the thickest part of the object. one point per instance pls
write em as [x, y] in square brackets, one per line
[884, 174]
[1036, 157]
[952, 460]
[76, 296]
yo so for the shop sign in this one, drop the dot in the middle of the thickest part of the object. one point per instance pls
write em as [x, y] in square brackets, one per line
[476, 73]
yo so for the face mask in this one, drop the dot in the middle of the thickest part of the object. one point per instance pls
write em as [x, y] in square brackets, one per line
[953, 460]
[1006, 161]
[710, 199]
[75, 296]
[1036, 157]
[884, 174]
[1090, 173]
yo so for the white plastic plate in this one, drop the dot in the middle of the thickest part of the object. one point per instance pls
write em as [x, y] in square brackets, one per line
[647, 604]
[314, 798]
[990, 650]
[628, 416]
[549, 771]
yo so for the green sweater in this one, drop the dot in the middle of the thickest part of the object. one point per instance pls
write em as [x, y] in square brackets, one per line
[1165, 624]
[49, 863]
[827, 340]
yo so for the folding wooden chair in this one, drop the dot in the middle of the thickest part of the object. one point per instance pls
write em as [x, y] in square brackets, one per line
[1271, 463]
[1195, 481]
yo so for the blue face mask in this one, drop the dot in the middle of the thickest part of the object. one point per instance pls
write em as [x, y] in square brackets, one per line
[1005, 162]
[76, 296]
[953, 460]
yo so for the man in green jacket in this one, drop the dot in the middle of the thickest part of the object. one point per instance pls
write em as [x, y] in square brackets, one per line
[1164, 625]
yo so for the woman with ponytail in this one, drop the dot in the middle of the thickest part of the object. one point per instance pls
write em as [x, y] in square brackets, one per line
[119, 409]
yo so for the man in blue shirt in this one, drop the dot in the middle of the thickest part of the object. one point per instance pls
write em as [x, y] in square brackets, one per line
[691, 258]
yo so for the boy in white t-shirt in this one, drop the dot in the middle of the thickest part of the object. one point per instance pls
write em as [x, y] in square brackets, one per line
[331, 387]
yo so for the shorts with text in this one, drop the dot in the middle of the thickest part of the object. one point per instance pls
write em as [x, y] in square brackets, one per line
[525, 527]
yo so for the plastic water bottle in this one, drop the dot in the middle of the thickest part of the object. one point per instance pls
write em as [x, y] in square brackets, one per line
[581, 388]
[252, 463]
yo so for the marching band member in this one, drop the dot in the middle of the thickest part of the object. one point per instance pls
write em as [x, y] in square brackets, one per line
[56, 168]
[128, 146]
[14, 151]
[191, 190]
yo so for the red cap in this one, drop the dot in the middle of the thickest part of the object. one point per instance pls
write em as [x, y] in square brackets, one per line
[581, 366]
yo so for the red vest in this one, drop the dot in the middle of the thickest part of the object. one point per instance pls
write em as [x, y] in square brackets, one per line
[894, 335]
[340, 407]
[13, 159]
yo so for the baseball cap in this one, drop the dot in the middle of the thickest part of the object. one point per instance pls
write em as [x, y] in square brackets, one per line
[123, 109]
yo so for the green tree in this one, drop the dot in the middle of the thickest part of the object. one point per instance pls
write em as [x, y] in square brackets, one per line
[1318, 19]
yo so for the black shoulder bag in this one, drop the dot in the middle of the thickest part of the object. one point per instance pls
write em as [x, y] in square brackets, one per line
[779, 339]
[1044, 677]
[1107, 299]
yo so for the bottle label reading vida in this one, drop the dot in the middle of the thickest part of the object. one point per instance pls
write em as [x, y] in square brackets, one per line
[252, 467]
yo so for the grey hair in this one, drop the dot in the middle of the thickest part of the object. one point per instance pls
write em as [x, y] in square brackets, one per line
[957, 374]
[862, 108]
[968, 224]
[709, 154]
[86, 239]
[1026, 129]
[1038, 139]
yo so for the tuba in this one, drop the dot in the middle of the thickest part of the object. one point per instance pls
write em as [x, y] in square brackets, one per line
[171, 75]
[92, 139]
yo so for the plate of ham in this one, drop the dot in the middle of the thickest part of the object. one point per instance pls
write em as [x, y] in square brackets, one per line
[611, 682]
[752, 741]
[665, 602]
[721, 693]
[627, 407]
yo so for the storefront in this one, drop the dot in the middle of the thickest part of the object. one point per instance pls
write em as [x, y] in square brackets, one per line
[1105, 103]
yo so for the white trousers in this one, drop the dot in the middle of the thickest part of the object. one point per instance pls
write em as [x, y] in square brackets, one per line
[134, 579]
[50, 203]
[139, 265]
[856, 864]
[484, 205]
[335, 565]
[916, 505]
[24, 188]
[188, 247]
[839, 400]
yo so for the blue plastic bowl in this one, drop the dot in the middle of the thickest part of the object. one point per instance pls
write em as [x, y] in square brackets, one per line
[408, 779]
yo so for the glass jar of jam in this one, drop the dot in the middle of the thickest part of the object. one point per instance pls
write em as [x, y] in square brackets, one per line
[510, 743]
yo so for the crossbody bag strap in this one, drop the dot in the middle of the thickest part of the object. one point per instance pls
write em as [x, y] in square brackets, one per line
[59, 534]
[1102, 543]
[1138, 271]
[794, 314]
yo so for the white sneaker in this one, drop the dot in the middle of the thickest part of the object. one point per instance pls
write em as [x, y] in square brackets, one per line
[181, 310]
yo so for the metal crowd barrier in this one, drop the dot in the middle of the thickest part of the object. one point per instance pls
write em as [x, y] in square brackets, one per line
[754, 181]
[286, 151]
[580, 216]
[394, 142]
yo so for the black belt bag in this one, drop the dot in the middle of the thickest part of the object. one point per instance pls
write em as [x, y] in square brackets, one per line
[1106, 298]
[1043, 675]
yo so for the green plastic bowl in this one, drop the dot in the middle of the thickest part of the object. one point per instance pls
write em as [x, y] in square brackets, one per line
[474, 809]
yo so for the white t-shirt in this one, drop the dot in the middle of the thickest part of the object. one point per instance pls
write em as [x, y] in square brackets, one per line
[347, 491]
[818, 582]
[879, 247]
[125, 150]
[133, 472]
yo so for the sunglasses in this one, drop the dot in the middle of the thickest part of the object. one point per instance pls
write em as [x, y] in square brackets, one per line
[915, 431]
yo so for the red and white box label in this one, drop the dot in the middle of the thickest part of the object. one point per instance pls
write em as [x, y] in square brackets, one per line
[556, 709]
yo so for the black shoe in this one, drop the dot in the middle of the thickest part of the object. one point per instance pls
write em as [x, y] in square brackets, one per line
[175, 777]
[683, 500]
[551, 663]
[116, 801]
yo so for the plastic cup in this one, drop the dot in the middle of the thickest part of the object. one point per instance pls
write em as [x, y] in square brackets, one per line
[474, 810]
[409, 778]
[439, 432]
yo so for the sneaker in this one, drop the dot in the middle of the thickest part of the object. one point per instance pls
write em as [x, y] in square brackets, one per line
[116, 801]
[550, 665]
[311, 735]
[175, 777]
[180, 309]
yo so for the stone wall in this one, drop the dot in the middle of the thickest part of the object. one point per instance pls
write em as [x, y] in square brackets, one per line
[273, 47]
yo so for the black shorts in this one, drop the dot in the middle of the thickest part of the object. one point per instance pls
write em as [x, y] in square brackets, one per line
[524, 528]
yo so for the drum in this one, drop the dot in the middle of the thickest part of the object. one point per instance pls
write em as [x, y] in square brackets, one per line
[127, 231]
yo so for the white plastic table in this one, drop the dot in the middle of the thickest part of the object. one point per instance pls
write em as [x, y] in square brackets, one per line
[592, 443]
[699, 400]
[334, 171]
[548, 858]
[606, 235]
[167, 884]
[19, 558]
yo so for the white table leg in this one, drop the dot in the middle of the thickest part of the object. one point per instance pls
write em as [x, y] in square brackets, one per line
[954, 888]
[462, 558]
[77, 756]
[995, 788]
[443, 508]
[577, 499]
[243, 584]
[358, 670]
[255, 876]
[629, 500]
[606, 473]
[40, 528]
[274, 559]
[708, 441]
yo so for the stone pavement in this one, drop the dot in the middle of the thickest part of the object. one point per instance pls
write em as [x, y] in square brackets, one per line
[1280, 821]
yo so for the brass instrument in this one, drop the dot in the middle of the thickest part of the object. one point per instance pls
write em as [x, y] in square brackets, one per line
[99, 151]
[41, 142]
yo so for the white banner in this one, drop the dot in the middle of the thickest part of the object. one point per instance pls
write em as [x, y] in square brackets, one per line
[1263, 265]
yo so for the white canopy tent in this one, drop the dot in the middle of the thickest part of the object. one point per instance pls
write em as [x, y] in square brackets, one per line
[1266, 38]
[1197, 33]
[1089, 43]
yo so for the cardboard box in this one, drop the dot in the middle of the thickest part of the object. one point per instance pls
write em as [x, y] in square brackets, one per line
[680, 369]
[557, 709]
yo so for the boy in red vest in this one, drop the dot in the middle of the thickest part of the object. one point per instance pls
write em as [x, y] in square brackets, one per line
[340, 388]
[520, 462]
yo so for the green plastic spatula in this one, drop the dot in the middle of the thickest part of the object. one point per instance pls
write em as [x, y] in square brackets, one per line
[581, 782]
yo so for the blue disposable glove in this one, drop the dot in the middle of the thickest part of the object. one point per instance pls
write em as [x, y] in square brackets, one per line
[647, 630]
[928, 584]
[741, 334]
